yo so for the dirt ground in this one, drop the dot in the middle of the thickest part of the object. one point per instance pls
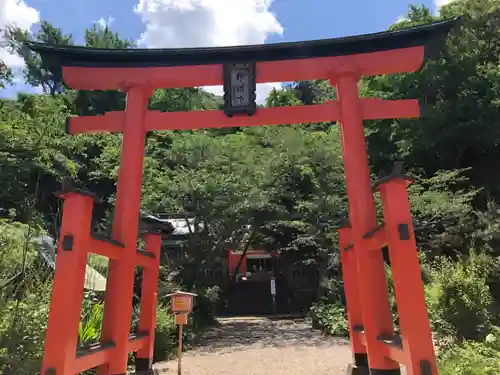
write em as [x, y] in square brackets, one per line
[260, 346]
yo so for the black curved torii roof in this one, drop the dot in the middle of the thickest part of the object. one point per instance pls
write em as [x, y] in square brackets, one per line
[431, 35]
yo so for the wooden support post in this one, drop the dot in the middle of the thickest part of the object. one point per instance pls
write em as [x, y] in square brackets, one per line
[182, 305]
[119, 289]
[179, 351]
[354, 313]
[373, 293]
[406, 274]
[67, 291]
[149, 294]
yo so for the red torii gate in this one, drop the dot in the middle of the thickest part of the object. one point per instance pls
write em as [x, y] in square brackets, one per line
[377, 350]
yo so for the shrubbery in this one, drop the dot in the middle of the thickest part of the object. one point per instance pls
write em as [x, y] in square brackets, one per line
[458, 297]
[329, 318]
[328, 313]
[22, 331]
[460, 310]
[166, 336]
[472, 358]
[23, 320]
[24, 301]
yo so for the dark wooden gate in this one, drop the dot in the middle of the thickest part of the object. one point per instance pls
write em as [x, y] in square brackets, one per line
[254, 297]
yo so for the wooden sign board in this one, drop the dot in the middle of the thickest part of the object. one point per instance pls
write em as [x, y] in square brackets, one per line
[181, 319]
[239, 89]
[182, 302]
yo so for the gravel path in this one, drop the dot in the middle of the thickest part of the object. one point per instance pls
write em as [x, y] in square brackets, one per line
[260, 346]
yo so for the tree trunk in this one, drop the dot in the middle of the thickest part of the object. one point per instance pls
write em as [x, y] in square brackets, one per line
[243, 254]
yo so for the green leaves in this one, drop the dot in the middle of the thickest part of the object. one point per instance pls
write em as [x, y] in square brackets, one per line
[33, 148]
[471, 358]
[285, 183]
[459, 128]
[35, 73]
[458, 297]
[89, 328]
[330, 318]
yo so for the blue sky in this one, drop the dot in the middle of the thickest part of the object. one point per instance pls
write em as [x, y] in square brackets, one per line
[301, 19]
[187, 23]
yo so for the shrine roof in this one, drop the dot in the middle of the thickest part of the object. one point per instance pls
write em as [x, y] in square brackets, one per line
[431, 35]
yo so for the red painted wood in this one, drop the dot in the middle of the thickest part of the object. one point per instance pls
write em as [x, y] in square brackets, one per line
[67, 290]
[373, 293]
[368, 64]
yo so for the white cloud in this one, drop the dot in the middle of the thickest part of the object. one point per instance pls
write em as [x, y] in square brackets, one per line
[401, 19]
[208, 23]
[20, 14]
[105, 23]
[440, 3]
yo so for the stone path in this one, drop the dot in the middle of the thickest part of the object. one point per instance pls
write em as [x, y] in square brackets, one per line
[260, 346]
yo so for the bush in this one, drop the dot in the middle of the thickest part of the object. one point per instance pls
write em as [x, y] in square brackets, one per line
[203, 311]
[472, 358]
[329, 318]
[22, 331]
[24, 300]
[166, 334]
[17, 259]
[458, 297]
[331, 290]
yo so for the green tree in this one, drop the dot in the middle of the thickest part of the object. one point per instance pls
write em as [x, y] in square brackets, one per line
[5, 75]
[458, 128]
[35, 73]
